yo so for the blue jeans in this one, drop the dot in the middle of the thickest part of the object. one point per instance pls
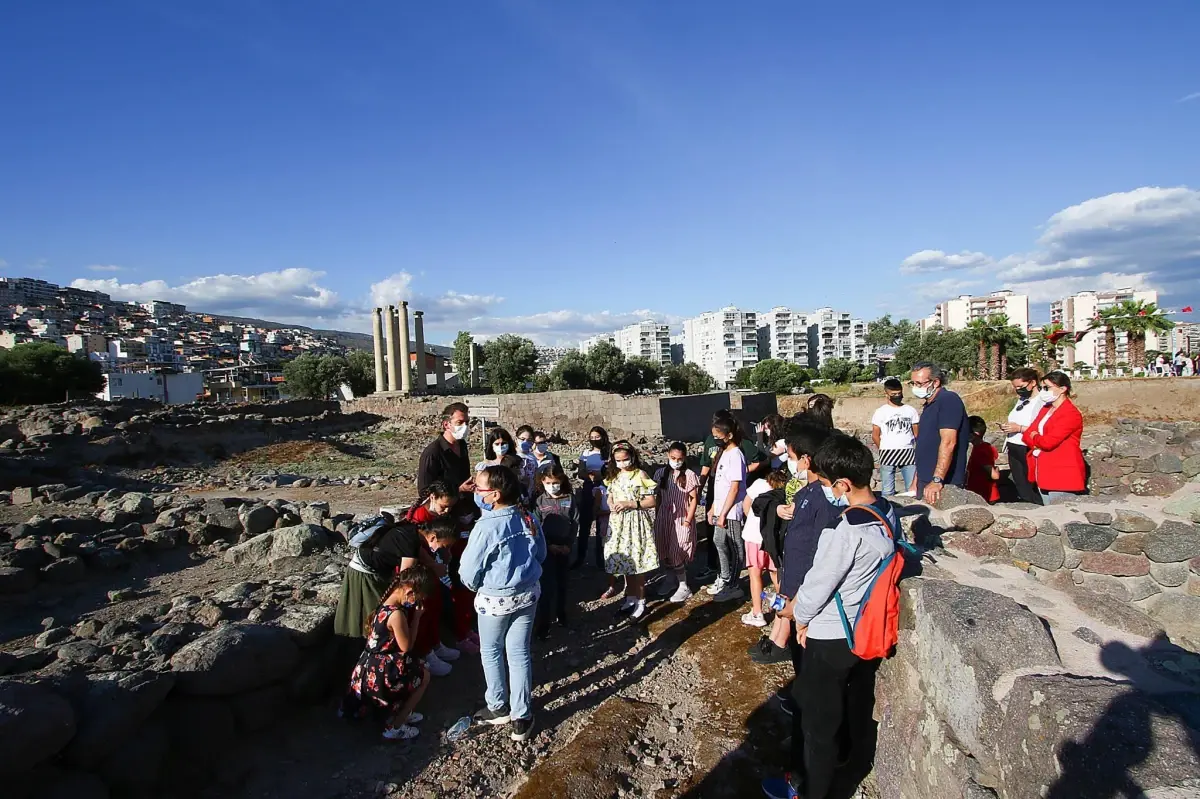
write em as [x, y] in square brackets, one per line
[887, 478]
[508, 637]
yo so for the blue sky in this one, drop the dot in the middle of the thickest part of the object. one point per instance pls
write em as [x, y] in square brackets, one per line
[558, 169]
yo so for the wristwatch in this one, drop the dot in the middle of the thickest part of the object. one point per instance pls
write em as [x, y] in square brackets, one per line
[937, 480]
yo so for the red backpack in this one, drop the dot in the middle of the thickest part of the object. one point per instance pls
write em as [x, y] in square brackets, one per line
[877, 626]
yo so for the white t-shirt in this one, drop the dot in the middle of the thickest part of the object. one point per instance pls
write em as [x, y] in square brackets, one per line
[731, 466]
[1023, 413]
[895, 423]
[751, 530]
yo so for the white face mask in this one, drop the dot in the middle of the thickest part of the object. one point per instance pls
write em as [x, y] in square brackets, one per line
[459, 432]
[553, 489]
[922, 392]
[839, 502]
[622, 465]
[501, 448]
[793, 467]
[1047, 396]
[675, 464]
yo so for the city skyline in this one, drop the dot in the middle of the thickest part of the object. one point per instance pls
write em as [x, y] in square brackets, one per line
[560, 171]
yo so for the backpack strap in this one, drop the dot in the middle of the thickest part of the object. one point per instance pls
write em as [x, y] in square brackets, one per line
[837, 595]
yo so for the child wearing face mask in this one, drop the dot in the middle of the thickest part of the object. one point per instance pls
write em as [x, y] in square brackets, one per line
[755, 536]
[543, 458]
[894, 429]
[528, 469]
[502, 451]
[675, 521]
[602, 513]
[389, 680]
[983, 475]
[630, 550]
[555, 506]
[591, 462]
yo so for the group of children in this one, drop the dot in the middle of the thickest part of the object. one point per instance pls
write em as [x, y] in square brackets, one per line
[812, 530]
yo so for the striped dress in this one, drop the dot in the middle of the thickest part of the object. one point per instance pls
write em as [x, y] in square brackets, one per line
[675, 541]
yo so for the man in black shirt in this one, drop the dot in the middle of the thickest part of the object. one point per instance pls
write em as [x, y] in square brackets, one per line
[446, 459]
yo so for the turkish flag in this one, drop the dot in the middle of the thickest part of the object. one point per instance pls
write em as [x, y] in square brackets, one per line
[1186, 309]
[1079, 336]
[1054, 337]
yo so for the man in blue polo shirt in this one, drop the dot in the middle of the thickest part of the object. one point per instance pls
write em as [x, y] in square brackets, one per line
[943, 436]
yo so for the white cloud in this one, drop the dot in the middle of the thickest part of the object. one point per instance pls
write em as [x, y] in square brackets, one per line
[105, 268]
[565, 327]
[1189, 97]
[1148, 237]
[927, 261]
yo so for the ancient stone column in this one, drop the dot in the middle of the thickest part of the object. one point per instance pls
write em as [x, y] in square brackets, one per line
[474, 376]
[419, 346]
[393, 349]
[405, 373]
[439, 372]
[377, 340]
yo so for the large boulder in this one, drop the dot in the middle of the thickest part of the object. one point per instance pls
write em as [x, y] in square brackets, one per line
[294, 542]
[954, 497]
[1067, 737]
[1179, 614]
[111, 710]
[1172, 542]
[234, 658]
[308, 624]
[965, 638]
[1043, 551]
[258, 519]
[972, 519]
[1089, 537]
[35, 724]
[255, 550]
[16, 581]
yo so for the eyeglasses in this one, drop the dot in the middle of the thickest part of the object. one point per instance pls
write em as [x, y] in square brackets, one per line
[915, 384]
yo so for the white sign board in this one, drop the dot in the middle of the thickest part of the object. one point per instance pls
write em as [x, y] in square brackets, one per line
[485, 412]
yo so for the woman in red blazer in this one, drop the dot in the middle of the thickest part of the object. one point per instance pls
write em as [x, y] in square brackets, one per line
[1055, 458]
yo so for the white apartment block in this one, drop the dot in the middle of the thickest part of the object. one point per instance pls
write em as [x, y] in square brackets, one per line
[783, 334]
[836, 334]
[646, 339]
[957, 313]
[586, 345]
[1075, 313]
[722, 342]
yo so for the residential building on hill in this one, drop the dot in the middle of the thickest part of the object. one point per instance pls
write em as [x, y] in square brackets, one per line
[647, 339]
[722, 342]
[837, 334]
[586, 345]
[783, 335]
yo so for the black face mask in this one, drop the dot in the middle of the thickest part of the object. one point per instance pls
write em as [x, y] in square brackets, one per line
[1024, 392]
[895, 400]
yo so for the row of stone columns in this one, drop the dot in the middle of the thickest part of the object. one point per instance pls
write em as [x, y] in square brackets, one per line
[389, 329]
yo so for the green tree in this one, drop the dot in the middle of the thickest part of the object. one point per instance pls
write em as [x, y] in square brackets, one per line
[1135, 320]
[570, 372]
[462, 356]
[315, 376]
[981, 332]
[744, 377]
[361, 373]
[838, 370]
[865, 374]
[885, 334]
[41, 372]
[509, 362]
[606, 367]
[688, 378]
[641, 374]
[777, 376]
[1106, 319]
[954, 350]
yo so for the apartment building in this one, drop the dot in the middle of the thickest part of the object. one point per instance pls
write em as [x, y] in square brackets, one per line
[957, 313]
[645, 339]
[586, 345]
[783, 335]
[722, 342]
[87, 343]
[837, 334]
[1076, 312]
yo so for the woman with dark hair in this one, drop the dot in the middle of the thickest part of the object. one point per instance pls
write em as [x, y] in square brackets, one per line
[502, 564]
[1056, 462]
[772, 440]
[501, 450]
[630, 549]
[675, 521]
[820, 409]
[1025, 383]
[591, 462]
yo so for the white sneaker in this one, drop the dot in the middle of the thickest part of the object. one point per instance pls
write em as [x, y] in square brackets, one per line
[730, 594]
[437, 667]
[717, 587]
[628, 603]
[907, 494]
[414, 718]
[639, 610]
[682, 594]
[446, 654]
[401, 733]
[753, 619]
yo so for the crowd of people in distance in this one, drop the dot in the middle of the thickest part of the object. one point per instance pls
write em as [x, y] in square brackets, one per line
[786, 512]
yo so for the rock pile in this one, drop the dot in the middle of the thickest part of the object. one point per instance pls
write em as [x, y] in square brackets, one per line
[111, 527]
[1148, 459]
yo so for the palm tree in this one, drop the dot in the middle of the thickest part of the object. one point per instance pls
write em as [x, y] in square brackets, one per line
[1006, 336]
[981, 331]
[1107, 319]
[1049, 343]
[1135, 319]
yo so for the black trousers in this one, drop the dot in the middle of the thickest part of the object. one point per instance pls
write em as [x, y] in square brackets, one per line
[835, 686]
[553, 604]
[1018, 469]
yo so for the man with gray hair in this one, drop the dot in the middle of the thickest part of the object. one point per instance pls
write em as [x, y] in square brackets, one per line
[944, 433]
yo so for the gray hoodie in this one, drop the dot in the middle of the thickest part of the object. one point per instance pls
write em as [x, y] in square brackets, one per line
[848, 557]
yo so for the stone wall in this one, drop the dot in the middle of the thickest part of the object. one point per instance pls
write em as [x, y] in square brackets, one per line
[1140, 565]
[1149, 459]
[977, 704]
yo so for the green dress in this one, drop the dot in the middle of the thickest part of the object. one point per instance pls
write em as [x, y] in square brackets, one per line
[630, 547]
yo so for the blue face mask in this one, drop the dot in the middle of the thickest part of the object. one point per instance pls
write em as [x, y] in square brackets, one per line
[837, 502]
[502, 449]
[525, 446]
[543, 448]
[481, 504]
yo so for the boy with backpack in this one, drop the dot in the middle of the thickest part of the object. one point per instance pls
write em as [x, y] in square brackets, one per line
[846, 616]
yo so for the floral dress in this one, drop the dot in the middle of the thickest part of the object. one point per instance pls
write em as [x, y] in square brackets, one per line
[384, 677]
[629, 548]
[676, 540]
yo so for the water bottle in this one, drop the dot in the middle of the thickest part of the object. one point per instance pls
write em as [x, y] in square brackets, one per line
[445, 578]
[773, 601]
[459, 729]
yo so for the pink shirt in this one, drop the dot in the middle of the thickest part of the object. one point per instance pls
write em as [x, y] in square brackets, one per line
[730, 467]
